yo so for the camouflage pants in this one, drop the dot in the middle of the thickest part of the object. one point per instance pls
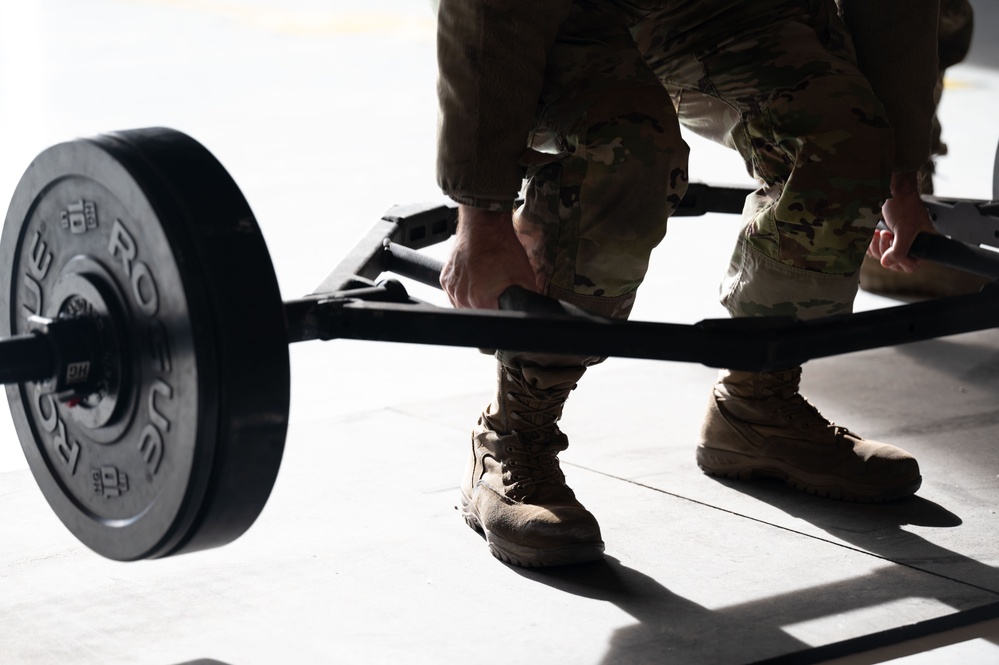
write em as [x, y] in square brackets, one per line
[773, 79]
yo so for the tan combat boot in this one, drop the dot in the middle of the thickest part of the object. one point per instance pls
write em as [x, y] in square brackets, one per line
[514, 491]
[759, 425]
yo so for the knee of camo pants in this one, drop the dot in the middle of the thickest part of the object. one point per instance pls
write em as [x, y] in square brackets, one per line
[594, 211]
[823, 152]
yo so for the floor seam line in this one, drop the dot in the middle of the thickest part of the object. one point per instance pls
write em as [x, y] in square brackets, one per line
[788, 529]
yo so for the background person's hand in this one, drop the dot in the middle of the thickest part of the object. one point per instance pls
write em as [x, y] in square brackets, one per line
[906, 216]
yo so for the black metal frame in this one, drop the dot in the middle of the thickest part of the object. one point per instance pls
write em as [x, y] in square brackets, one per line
[351, 304]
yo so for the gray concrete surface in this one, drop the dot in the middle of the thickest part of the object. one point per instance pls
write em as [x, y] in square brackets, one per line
[324, 113]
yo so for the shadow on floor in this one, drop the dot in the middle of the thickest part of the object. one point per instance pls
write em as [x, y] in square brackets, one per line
[674, 629]
[971, 363]
[878, 529]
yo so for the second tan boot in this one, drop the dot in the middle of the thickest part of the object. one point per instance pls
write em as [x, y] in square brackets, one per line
[758, 425]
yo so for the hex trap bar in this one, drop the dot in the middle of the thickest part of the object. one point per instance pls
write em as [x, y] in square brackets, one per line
[351, 304]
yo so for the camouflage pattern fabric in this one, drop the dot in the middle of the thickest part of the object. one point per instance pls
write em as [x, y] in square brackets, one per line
[606, 166]
[777, 81]
[772, 79]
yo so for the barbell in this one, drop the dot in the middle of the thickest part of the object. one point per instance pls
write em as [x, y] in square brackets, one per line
[145, 350]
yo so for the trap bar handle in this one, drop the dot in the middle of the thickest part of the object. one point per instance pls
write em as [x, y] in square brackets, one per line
[956, 254]
[419, 267]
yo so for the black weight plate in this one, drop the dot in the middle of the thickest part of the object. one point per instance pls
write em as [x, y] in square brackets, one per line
[179, 448]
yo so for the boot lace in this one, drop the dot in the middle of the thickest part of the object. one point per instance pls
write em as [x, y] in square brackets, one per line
[533, 462]
[798, 410]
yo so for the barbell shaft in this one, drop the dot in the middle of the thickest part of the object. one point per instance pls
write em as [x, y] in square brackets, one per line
[26, 358]
[60, 351]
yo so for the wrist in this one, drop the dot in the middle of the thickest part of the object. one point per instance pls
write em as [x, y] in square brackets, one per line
[473, 215]
[904, 183]
[482, 223]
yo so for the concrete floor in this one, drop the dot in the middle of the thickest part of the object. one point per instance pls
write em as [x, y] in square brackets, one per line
[326, 117]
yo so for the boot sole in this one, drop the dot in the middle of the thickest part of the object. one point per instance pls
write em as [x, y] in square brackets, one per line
[530, 557]
[735, 466]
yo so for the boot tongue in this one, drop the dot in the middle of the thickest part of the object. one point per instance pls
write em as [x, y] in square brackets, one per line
[558, 380]
[544, 440]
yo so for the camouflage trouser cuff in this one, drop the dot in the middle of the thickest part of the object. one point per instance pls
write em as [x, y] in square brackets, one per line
[612, 307]
[757, 285]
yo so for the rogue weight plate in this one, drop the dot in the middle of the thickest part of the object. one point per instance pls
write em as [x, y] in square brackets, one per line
[178, 447]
